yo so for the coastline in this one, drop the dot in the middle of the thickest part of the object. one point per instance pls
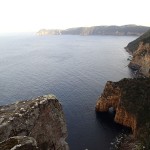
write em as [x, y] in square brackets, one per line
[129, 98]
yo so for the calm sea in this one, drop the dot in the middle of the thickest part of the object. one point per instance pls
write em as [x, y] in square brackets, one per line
[75, 69]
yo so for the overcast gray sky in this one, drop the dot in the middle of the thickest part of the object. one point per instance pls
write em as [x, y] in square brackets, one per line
[32, 15]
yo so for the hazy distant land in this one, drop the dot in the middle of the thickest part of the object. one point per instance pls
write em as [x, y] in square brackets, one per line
[125, 30]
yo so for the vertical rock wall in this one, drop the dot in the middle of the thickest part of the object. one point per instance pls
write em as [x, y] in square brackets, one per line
[41, 118]
[111, 97]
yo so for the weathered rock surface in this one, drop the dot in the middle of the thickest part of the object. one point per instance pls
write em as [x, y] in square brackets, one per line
[131, 100]
[111, 97]
[141, 59]
[49, 32]
[140, 49]
[19, 143]
[130, 143]
[41, 119]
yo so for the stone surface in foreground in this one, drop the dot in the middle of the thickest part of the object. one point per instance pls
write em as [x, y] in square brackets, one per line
[40, 119]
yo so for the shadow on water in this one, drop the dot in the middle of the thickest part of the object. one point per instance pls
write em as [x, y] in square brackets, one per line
[106, 120]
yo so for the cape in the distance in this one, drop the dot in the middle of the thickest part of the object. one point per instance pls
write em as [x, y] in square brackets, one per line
[125, 30]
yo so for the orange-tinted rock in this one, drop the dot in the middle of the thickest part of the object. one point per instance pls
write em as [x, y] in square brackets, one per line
[131, 100]
[111, 97]
[125, 118]
[141, 59]
[41, 118]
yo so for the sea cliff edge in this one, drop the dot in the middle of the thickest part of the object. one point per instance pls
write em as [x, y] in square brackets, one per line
[38, 123]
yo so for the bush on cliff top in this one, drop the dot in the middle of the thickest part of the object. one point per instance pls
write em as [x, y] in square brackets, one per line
[132, 46]
[135, 98]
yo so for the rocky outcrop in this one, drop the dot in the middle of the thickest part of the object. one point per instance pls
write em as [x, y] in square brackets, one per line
[38, 122]
[111, 97]
[140, 49]
[133, 46]
[141, 59]
[127, 30]
[130, 98]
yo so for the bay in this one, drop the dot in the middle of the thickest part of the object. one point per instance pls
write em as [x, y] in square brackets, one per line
[75, 69]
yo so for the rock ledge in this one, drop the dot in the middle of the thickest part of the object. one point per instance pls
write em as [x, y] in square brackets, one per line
[40, 119]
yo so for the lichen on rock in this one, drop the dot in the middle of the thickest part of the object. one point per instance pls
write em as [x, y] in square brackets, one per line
[19, 143]
[41, 118]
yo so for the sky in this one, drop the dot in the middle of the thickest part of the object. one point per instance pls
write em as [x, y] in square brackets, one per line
[33, 15]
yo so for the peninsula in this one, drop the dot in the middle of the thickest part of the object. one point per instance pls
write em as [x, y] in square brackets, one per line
[126, 30]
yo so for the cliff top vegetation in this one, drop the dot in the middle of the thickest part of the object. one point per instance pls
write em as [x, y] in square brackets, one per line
[132, 46]
[135, 98]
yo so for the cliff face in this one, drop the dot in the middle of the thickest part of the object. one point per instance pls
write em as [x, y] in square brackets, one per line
[111, 97]
[133, 46]
[99, 30]
[131, 100]
[41, 119]
[141, 59]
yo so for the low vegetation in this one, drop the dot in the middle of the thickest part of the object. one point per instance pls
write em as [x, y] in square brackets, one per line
[135, 99]
[132, 46]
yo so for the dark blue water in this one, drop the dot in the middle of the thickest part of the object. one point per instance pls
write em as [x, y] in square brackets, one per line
[75, 69]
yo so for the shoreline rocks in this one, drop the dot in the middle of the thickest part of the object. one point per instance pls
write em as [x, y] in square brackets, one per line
[19, 143]
[141, 59]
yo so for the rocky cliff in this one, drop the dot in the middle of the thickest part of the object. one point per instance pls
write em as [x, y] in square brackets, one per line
[140, 49]
[131, 100]
[19, 143]
[141, 59]
[100, 30]
[33, 124]
[133, 46]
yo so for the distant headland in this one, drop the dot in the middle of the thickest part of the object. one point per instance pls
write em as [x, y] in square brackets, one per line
[125, 30]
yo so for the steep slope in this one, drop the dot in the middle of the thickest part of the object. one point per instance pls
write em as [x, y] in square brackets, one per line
[115, 30]
[41, 120]
[141, 59]
[140, 49]
[133, 46]
[131, 100]
[99, 30]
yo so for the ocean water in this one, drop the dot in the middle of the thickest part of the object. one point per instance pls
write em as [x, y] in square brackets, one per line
[75, 69]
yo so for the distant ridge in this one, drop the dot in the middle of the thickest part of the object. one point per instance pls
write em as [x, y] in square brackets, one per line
[126, 30]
